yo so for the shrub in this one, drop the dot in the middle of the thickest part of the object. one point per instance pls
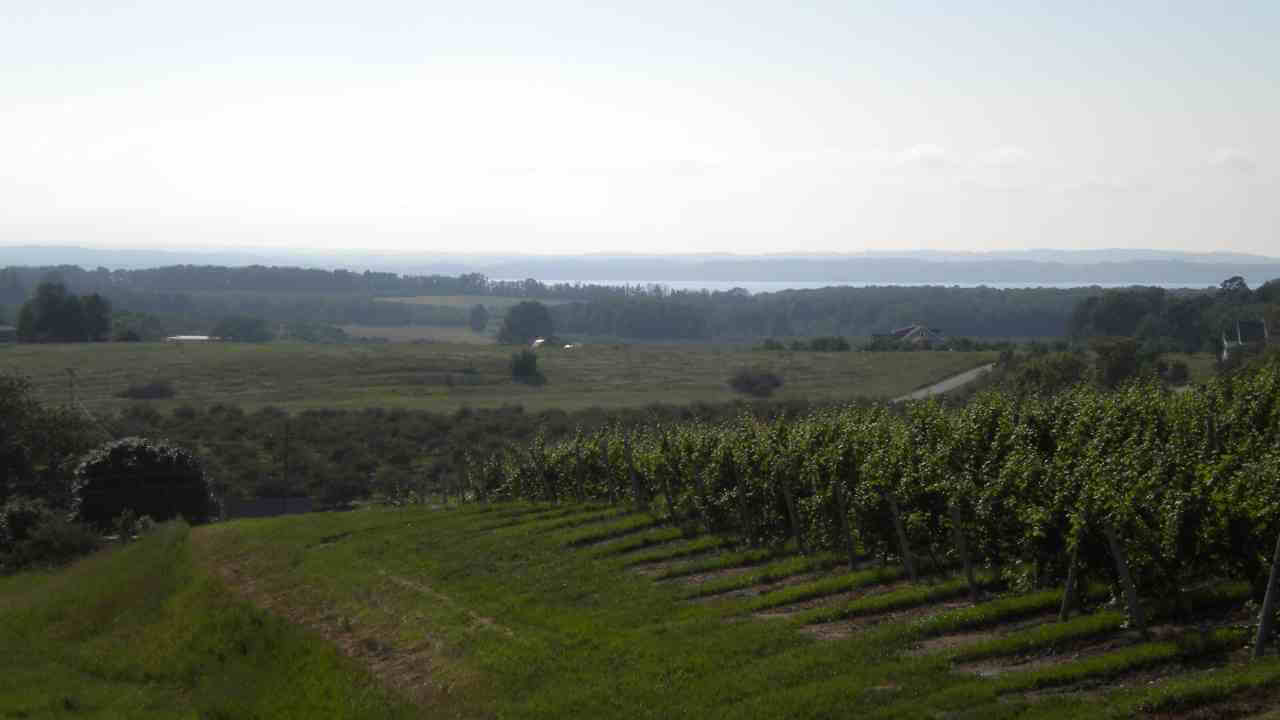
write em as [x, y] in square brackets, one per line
[154, 390]
[755, 382]
[144, 476]
[32, 535]
[19, 518]
[829, 344]
[55, 541]
[524, 368]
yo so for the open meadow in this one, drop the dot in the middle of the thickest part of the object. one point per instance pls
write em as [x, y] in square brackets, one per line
[447, 376]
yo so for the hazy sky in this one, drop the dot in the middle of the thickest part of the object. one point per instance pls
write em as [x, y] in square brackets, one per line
[648, 126]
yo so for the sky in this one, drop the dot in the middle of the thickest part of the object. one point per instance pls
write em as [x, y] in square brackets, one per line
[649, 127]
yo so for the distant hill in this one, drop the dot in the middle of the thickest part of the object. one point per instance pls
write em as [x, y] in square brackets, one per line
[1030, 267]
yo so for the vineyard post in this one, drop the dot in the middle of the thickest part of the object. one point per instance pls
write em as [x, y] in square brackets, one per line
[901, 532]
[577, 469]
[1069, 591]
[665, 467]
[962, 546]
[608, 475]
[1126, 580]
[785, 482]
[740, 490]
[698, 469]
[636, 495]
[837, 487]
[1267, 614]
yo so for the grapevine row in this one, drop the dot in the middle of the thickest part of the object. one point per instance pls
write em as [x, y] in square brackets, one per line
[1148, 489]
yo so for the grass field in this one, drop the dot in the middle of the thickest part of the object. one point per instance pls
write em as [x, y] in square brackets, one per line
[445, 377]
[424, 333]
[143, 632]
[489, 612]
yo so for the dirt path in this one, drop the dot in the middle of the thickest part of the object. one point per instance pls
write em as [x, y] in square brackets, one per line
[948, 384]
[411, 671]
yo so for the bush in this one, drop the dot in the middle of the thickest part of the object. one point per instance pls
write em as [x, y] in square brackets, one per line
[524, 368]
[243, 328]
[19, 518]
[55, 542]
[154, 390]
[755, 382]
[829, 344]
[144, 476]
[33, 535]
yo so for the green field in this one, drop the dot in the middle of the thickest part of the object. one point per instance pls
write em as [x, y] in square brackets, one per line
[145, 632]
[423, 333]
[445, 377]
[504, 612]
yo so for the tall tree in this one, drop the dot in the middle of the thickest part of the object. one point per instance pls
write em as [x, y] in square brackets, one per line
[97, 317]
[53, 315]
[524, 322]
[479, 318]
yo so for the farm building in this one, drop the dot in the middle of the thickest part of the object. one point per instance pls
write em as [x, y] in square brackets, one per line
[916, 334]
[8, 333]
[191, 338]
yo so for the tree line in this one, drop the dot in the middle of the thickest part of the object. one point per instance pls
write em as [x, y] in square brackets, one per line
[1162, 321]
[194, 298]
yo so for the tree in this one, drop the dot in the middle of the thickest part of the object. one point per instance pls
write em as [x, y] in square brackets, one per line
[38, 443]
[479, 318]
[96, 311]
[243, 328]
[147, 477]
[1234, 290]
[524, 322]
[1117, 360]
[53, 315]
[11, 290]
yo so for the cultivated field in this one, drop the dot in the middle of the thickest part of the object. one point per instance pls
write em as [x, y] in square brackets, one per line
[424, 333]
[445, 377]
[580, 611]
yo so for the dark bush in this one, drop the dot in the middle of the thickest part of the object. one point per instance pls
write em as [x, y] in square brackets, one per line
[31, 534]
[524, 368]
[54, 542]
[154, 390]
[1177, 373]
[144, 476]
[755, 382]
[19, 518]
[829, 344]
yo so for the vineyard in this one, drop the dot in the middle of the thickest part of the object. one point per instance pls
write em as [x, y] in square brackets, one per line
[1152, 495]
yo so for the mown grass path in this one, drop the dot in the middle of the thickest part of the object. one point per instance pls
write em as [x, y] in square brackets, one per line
[145, 632]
